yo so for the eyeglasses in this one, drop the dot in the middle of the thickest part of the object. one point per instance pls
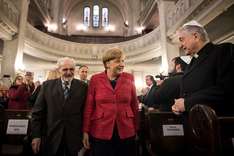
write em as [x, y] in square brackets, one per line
[66, 69]
[20, 79]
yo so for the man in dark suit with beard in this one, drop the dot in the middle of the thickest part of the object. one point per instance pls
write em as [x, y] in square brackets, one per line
[209, 77]
[58, 113]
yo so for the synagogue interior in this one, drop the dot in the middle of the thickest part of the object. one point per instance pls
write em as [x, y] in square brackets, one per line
[35, 34]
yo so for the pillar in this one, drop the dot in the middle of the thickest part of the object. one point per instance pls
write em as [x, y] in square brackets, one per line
[169, 50]
[12, 57]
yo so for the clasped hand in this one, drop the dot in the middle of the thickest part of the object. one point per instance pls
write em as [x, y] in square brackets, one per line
[178, 107]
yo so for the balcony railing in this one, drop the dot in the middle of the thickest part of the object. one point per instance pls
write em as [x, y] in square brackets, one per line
[50, 45]
[8, 9]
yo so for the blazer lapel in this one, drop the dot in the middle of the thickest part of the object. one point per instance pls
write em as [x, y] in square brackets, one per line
[202, 56]
[74, 86]
[105, 81]
[120, 81]
[196, 62]
[58, 86]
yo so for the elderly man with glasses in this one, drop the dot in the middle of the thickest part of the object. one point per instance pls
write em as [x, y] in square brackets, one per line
[58, 113]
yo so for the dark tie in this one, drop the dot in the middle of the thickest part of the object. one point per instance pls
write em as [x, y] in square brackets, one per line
[147, 93]
[65, 90]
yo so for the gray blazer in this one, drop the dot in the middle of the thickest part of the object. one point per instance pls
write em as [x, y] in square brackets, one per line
[51, 115]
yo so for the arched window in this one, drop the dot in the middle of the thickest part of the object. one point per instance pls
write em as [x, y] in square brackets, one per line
[104, 17]
[95, 16]
[86, 16]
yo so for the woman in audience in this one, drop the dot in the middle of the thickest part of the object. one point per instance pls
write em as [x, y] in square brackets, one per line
[4, 96]
[19, 93]
[111, 109]
[52, 75]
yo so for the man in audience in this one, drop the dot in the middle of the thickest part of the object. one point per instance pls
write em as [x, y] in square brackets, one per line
[209, 77]
[84, 72]
[169, 89]
[58, 113]
[4, 95]
[148, 100]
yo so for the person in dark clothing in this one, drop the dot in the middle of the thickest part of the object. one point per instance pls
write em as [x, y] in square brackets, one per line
[169, 89]
[209, 77]
[147, 98]
[52, 75]
[4, 96]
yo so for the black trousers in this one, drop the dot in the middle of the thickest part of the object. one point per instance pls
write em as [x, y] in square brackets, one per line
[63, 147]
[113, 147]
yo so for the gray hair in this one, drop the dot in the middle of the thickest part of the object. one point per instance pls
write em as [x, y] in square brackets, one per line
[65, 58]
[192, 29]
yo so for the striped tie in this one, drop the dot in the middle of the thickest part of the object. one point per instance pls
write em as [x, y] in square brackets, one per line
[65, 90]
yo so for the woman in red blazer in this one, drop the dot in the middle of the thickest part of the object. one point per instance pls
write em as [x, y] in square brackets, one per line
[111, 110]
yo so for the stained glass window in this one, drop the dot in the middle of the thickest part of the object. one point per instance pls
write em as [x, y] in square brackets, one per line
[95, 16]
[86, 16]
[104, 17]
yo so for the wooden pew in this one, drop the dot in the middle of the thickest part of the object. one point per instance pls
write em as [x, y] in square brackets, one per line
[16, 144]
[211, 135]
[2, 113]
[155, 126]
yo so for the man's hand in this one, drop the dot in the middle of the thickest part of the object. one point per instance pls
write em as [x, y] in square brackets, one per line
[159, 82]
[86, 140]
[179, 103]
[150, 108]
[176, 110]
[36, 142]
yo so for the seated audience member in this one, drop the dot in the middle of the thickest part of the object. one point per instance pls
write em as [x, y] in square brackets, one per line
[19, 93]
[169, 89]
[4, 96]
[148, 101]
[52, 75]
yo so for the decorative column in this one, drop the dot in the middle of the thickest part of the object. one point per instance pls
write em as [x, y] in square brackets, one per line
[135, 15]
[169, 50]
[56, 22]
[12, 57]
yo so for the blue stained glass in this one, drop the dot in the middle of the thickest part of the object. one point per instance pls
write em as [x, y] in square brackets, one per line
[95, 16]
[86, 16]
[104, 17]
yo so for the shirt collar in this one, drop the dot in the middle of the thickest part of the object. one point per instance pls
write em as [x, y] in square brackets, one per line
[68, 86]
[150, 86]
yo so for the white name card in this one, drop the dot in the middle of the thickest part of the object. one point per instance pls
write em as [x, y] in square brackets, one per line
[16, 126]
[173, 130]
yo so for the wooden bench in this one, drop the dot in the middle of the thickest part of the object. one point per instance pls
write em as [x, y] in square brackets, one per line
[16, 144]
[2, 113]
[211, 135]
[156, 130]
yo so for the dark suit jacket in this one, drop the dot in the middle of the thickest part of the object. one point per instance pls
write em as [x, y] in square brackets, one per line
[209, 80]
[167, 92]
[105, 106]
[51, 115]
[149, 100]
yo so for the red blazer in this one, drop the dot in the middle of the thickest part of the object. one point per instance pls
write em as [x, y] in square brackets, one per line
[105, 105]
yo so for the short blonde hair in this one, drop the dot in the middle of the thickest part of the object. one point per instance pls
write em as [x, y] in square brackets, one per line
[52, 75]
[111, 54]
[14, 81]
